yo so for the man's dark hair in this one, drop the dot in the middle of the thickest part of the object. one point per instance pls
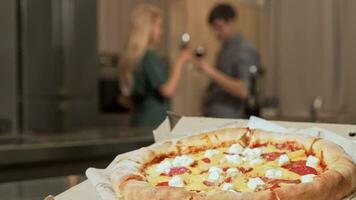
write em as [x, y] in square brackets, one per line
[222, 11]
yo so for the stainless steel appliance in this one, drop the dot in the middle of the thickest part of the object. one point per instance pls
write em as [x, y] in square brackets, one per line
[52, 75]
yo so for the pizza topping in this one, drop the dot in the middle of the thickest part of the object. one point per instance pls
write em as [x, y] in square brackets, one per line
[275, 183]
[271, 156]
[182, 161]
[258, 144]
[273, 173]
[283, 159]
[290, 145]
[176, 181]
[210, 153]
[256, 161]
[228, 180]
[164, 167]
[307, 178]
[251, 154]
[215, 169]
[229, 164]
[254, 182]
[165, 183]
[235, 159]
[231, 171]
[244, 171]
[194, 164]
[300, 168]
[206, 160]
[236, 149]
[227, 187]
[214, 176]
[208, 183]
[312, 161]
[178, 170]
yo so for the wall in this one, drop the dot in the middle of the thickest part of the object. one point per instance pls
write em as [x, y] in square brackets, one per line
[309, 55]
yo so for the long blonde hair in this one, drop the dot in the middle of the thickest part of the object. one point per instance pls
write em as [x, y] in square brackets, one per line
[142, 23]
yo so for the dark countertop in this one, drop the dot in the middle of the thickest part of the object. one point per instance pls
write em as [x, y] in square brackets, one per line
[37, 189]
[54, 154]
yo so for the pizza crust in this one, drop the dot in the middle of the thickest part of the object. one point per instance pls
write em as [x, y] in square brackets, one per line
[337, 182]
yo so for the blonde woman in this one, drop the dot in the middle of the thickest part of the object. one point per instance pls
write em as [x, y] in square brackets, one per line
[142, 74]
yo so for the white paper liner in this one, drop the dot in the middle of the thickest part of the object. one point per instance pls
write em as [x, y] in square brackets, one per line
[100, 178]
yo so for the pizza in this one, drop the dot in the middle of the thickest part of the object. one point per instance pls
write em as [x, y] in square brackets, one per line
[237, 164]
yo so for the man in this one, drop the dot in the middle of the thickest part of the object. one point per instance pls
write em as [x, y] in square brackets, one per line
[230, 84]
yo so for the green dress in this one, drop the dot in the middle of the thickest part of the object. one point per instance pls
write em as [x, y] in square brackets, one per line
[149, 105]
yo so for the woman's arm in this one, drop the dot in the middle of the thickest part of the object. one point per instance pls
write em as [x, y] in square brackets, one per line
[169, 88]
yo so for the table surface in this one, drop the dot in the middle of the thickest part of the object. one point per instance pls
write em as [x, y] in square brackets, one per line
[86, 191]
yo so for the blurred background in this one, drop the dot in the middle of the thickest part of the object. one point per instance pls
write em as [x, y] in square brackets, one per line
[59, 112]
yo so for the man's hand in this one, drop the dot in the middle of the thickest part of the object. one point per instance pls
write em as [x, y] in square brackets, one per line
[204, 66]
[231, 85]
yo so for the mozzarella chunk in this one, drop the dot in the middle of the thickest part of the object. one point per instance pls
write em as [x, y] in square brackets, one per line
[210, 153]
[283, 159]
[164, 167]
[235, 159]
[182, 161]
[254, 182]
[312, 161]
[251, 154]
[257, 151]
[215, 169]
[273, 173]
[231, 171]
[307, 178]
[256, 161]
[236, 149]
[227, 187]
[176, 181]
[214, 176]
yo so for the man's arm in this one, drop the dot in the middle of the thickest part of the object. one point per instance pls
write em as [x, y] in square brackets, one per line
[233, 86]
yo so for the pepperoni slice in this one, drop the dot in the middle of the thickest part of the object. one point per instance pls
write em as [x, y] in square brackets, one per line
[178, 170]
[206, 160]
[165, 183]
[271, 156]
[300, 168]
[228, 180]
[244, 171]
[257, 144]
[208, 183]
[225, 169]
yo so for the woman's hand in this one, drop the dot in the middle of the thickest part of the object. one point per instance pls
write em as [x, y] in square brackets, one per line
[185, 55]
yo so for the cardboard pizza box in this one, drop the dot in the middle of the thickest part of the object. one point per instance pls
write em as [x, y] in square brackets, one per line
[338, 133]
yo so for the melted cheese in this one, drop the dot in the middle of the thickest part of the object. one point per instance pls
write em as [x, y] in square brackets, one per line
[210, 176]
